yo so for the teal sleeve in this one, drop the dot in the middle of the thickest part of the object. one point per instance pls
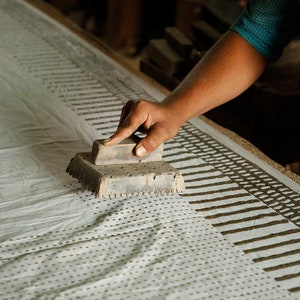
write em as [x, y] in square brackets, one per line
[269, 25]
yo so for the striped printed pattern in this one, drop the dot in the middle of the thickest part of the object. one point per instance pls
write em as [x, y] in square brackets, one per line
[242, 202]
[238, 198]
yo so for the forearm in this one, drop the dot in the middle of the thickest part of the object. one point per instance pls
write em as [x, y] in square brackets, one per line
[227, 70]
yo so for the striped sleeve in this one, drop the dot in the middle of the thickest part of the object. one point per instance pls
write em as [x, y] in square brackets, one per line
[269, 25]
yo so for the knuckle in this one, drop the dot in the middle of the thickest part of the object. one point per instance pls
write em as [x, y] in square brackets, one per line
[142, 105]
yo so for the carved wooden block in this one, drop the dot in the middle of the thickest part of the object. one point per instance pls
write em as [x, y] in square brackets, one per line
[118, 180]
[167, 59]
[122, 153]
[179, 41]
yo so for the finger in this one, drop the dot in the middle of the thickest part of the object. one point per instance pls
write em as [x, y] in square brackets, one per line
[126, 110]
[127, 128]
[156, 136]
[121, 133]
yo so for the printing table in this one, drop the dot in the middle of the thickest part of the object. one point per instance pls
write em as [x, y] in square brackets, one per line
[233, 234]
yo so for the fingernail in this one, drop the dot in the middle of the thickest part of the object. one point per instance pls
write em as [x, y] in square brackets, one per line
[106, 141]
[140, 151]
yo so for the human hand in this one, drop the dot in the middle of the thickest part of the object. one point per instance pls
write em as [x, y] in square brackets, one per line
[153, 119]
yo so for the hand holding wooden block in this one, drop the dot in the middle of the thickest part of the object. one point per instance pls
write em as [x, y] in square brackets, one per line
[121, 153]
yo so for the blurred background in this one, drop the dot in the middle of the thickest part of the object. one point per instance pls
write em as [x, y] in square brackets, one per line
[165, 38]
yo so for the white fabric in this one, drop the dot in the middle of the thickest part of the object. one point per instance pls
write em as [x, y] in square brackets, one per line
[60, 242]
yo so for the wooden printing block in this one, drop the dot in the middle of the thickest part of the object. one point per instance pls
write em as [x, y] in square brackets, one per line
[123, 153]
[206, 34]
[179, 42]
[167, 59]
[115, 180]
[149, 68]
[118, 172]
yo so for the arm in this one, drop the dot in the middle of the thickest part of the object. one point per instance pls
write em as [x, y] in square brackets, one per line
[227, 70]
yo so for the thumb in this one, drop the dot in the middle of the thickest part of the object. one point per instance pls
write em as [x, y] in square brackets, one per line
[153, 140]
[140, 150]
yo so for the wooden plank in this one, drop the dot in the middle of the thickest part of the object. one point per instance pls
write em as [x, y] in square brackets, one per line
[179, 41]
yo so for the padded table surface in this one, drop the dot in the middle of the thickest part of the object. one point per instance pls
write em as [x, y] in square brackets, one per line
[233, 234]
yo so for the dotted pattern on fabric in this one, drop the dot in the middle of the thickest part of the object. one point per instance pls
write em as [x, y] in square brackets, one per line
[234, 233]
